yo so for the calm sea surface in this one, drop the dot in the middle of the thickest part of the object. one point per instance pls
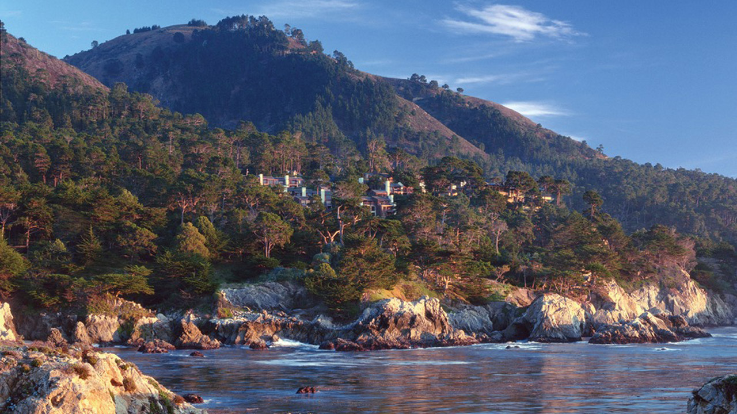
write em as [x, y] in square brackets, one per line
[536, 378]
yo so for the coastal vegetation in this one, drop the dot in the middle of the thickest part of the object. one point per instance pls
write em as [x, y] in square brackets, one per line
[105, 193]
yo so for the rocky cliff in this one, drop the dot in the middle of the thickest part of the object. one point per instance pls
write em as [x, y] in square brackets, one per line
[718, 396]
[44, 378]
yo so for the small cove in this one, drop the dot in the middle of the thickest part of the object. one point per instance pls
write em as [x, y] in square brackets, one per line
[534, 378]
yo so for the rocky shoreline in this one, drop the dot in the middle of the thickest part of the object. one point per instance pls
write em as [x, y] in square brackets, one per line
[258, 315]
[53, 377]
[717, 396]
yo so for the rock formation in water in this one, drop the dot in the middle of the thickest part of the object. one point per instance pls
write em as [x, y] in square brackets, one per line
[42, 378]
[263, 313]
[648, 328]
[550, 318]
[717, 396]
[393, 323]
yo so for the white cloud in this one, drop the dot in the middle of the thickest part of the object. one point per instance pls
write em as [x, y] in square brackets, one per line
[10, 13]
[513, 21]
[307, 8]
[502, 79]
[536, 109]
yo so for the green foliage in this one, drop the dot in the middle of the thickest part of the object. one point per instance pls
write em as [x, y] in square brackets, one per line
[12, 265]
[190, 241]
[336, 291]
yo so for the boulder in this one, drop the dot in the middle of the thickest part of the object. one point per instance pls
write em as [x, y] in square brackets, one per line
[99, 383]
[191, 337]
[473, 320]
[7, 328]
[717, 396]
[650, 327]
[193, 398]
[258, 345]
[269, 296]
[56, 338]
[550, 318]
[80, 336]
[157, 346]
[306, 390]
[396, 324]
[103, 329]
[150, 328]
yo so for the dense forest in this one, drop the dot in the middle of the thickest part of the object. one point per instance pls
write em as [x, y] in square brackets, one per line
[104, 193]
[243, 68]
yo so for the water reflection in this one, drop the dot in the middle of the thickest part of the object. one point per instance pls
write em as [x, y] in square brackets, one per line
[536, 378]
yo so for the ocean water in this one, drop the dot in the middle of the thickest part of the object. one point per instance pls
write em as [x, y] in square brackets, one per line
[488, 378]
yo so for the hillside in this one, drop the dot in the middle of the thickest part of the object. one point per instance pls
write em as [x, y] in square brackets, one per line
[193, 69]
[281, 81]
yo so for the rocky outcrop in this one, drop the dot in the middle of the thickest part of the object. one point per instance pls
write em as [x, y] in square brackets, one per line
[393, 323]
[550, 318]
[80, 336]
[648, 328]
[250, 328]
[718, 396]
[56, 338]
[103, 329]
[472, 320]
[270, 296]
[7, 328]
[190, 337]
[152, 328]
[157, 346]
[53, 382]
[613, 305]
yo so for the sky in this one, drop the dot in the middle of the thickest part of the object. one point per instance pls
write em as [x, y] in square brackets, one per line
[649, 81]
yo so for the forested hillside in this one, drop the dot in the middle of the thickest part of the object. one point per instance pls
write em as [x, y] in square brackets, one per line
[103, 193]
[245, 69]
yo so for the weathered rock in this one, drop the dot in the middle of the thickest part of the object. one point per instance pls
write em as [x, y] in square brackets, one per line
[396, 324]
[269, 296]
[192, 338]
[258, 345]
[347, 346]
[150, 328]
[197, 354]
[306, 390]
[7, 328]
[193, 398]
[717, 396]
[103, 329]
[613, 305]
[157, 346]
[80, 336]
[252, 327]
[550, 318]
[648, 328]
[102, 383]
[37, 326]
[327, 346]
[56, 338]
[473, 320]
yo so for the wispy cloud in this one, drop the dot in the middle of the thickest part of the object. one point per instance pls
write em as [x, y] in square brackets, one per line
[10, 13]
[536, 109]
[500, 79]
[308, 8]
[474, 58]
[76, 27]
[516, 22]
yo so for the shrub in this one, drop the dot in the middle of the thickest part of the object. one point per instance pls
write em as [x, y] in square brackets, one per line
[83, 371]
[129, 385]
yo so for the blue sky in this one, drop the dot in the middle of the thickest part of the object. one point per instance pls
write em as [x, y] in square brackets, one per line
[650, 81]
